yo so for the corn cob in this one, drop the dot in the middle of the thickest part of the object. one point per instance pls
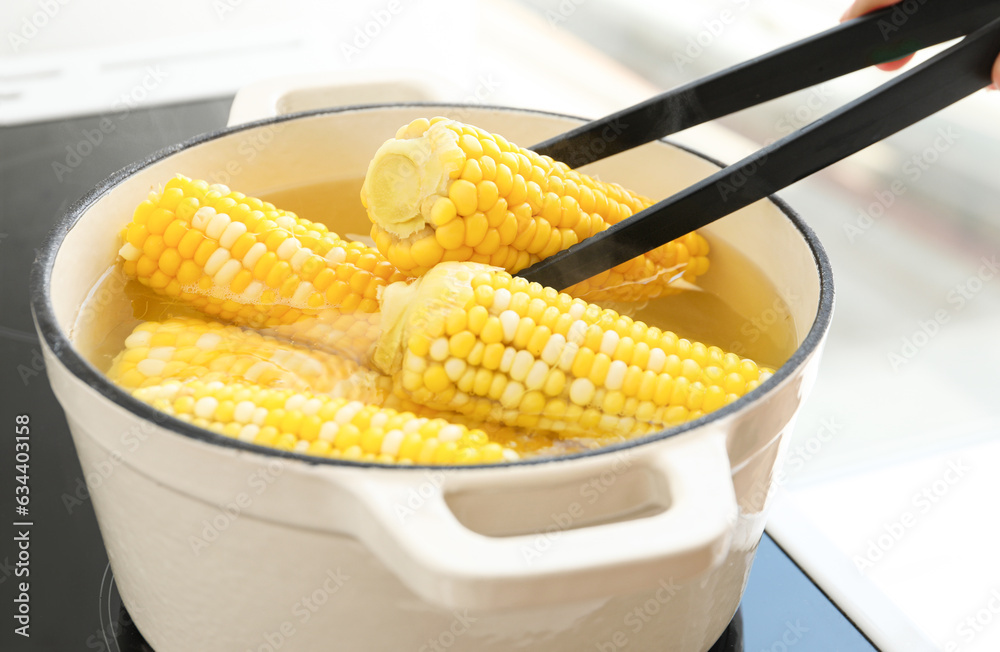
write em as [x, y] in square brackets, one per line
[188, 348]
[320, 425]
[445, 191]
[470, 338]
[239, 259]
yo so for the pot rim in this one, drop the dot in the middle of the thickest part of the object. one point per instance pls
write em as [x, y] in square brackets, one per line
[63, 349]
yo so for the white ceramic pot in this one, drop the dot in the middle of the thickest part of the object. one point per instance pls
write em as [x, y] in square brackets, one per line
[220, 545]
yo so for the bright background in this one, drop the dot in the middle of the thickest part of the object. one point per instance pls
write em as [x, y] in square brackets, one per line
[901, 258]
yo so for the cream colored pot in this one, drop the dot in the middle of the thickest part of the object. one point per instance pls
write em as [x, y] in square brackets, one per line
[220, 545]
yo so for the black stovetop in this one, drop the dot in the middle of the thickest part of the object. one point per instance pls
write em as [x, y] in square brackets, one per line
[45, 167]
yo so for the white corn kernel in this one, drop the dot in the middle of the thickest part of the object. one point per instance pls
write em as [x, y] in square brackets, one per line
[232, 233]
[391, 442]
[130, 252]
[248, 433]
[328, 431]
[288, 248]
[299, 258]
[336, 255]
[501, 300]
[550, 354]
[216, 261]
[616, 375]
[208, 341]
[657, 359]
[609, 343]
[450, 432]
[161, 353]
[509, 321]
[454, 368]
[227, 272]
[581, 391]
[217, 225]
[205, 407]
[139, 338]
[202, 217]
[243, 412]
[150, 367]
[253, 254]
[521, 366]
[537, 375]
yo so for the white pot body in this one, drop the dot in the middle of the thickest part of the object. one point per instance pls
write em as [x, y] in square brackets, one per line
[216, 546]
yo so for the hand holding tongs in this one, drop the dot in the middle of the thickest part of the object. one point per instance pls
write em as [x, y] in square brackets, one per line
[875, 38]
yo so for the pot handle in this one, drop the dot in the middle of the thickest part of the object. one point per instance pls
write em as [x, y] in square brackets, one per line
[450, 565]
[294, 93]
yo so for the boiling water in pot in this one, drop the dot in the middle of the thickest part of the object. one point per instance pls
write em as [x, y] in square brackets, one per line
[734, 307]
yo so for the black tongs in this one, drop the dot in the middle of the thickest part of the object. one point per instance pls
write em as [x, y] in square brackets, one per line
[875, 38]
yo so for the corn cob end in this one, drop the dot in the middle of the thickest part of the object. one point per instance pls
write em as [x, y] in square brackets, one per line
[408, 172]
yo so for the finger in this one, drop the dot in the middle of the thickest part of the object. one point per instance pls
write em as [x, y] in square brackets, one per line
[862, 7]
[895, 65]
[996, 74]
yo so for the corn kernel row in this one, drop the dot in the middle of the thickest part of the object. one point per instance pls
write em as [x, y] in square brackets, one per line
[184, 347]
[303, 422]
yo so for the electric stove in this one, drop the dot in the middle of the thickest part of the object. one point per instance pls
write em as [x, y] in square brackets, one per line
[74, 604]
